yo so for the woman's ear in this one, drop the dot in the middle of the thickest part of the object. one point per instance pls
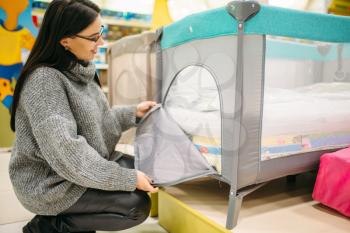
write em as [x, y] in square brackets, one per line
[64, 42]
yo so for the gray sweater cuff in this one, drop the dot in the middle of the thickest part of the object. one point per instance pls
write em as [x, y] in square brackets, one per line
[125, 116]
[131, 178]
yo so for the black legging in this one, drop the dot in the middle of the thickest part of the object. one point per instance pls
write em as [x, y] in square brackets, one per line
[98, 210]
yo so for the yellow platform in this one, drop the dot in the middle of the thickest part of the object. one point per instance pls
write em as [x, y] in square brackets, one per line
[201, 207]
[6, 135]
[154, 206]
[178, 212]
[177, 217]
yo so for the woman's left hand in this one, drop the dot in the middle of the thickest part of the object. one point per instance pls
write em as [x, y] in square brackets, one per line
[143, 107]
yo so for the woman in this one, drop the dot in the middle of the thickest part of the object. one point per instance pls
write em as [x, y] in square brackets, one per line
[63, 166]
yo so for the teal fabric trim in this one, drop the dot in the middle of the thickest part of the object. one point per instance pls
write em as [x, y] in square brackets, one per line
[269, 21]
[301, 51]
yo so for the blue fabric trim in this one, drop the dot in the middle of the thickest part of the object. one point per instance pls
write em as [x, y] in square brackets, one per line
[316, 143]
[282, 149]
[210, 149]
[268, 21]
[330, 141]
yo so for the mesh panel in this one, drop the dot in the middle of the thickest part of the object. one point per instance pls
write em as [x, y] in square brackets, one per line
[165, 153]
[193, 102]
[131, 74]
[307, 97]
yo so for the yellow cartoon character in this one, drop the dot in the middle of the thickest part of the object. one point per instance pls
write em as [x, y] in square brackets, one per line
[13, 37]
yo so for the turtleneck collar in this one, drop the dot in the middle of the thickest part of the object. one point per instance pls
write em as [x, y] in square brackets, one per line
[82, 72]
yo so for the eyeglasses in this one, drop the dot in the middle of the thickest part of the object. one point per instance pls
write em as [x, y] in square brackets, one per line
[93, 38]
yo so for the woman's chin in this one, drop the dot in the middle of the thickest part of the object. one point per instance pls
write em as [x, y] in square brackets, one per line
[89, 59]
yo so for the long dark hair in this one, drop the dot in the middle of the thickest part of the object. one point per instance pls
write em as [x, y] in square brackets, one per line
[63, 18]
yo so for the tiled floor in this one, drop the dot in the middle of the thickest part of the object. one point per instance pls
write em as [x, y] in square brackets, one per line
[10, 210]
[149, 226]
[275, 208]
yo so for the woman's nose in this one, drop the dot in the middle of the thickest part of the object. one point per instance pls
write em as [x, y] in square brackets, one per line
[100, 41]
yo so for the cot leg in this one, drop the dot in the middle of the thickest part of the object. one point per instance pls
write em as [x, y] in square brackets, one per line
[235, 203]
[234, 206]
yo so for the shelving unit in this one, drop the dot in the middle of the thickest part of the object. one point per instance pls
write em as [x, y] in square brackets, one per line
[127, 23]
[339, 7]
[106, 20]
[101, 66]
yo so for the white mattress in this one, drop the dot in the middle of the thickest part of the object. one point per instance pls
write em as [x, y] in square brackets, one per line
[311, 118]
[207, 124]
[323, 107]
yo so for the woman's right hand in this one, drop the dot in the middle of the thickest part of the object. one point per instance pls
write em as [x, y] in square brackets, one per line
[144, 183]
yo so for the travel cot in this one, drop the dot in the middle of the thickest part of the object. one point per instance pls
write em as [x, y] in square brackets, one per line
[248, 93]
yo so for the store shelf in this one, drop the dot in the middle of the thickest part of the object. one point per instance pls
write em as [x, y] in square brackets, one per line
[100, 66]
[106, 20]
[38, 13]
[128, 23]
[105, 89]
[104, 46]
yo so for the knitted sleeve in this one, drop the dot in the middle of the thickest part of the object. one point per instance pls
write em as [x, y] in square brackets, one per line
[125, 116]
[55, 130]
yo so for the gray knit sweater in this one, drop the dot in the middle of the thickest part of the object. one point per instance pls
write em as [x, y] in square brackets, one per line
[65, 136]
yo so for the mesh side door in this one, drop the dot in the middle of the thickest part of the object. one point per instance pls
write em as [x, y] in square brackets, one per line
[165, 153]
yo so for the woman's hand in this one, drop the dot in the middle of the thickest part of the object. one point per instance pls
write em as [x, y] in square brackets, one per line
[144, 183]
[143, 107]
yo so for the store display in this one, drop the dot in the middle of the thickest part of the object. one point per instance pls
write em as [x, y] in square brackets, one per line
[17, 35]
[339, 7]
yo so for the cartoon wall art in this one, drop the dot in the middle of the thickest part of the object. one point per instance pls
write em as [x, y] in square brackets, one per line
[17, 35]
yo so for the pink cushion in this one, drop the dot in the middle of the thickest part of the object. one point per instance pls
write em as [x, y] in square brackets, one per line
[332, 187]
